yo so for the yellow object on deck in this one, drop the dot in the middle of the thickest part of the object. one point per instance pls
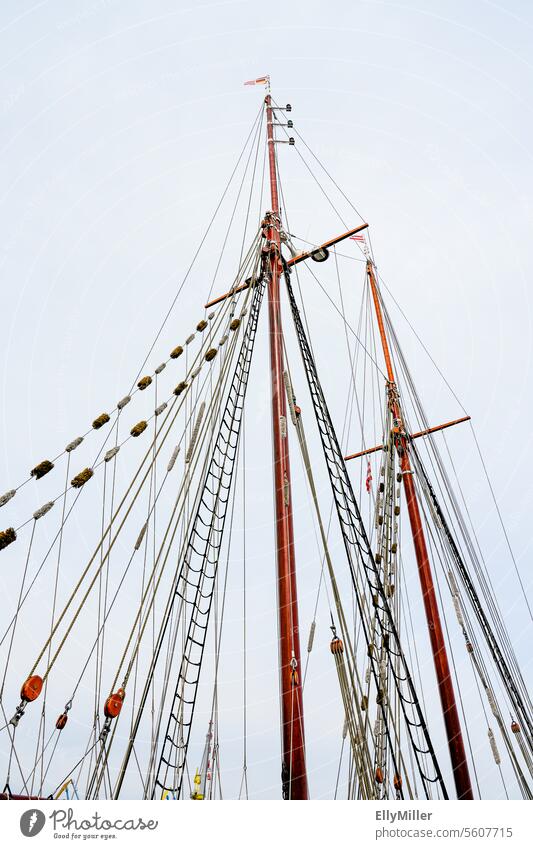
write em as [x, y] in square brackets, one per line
[196, 794]
[64, 788]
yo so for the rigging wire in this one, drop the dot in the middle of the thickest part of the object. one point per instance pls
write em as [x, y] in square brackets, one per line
[244, 779]
[356, 543]
[484, 582]
[201, 243]
[478, 447]
[353, 778]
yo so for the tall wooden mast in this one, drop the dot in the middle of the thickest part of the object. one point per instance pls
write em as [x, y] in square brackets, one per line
[294, 775]
[454, 734]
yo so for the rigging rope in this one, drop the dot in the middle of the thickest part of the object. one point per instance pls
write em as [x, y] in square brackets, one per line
[213, 504]
[361, 560]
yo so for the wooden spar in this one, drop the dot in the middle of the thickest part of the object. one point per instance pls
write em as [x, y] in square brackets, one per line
[294, 777]
[452, 724]
[419, 433]
[231, 292]
[6, 797]
[290, 262]
[329, 244]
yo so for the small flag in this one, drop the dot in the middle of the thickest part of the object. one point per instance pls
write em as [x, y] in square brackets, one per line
[368, 477]
[358, 237]
[258, 81]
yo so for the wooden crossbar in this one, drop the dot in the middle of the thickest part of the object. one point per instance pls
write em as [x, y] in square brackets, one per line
[292, 261]
[413, 436]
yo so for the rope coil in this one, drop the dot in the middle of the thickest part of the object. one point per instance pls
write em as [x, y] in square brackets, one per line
[494, 747]
[7, 496]
[173, 458]
[7, 537]
[141, 536]
[100, 421]
[195, 431]
[139, 428]
[82, 478]
[74, 444]
[42, 511]
[42, 469]
[181, 387]
[311, 637]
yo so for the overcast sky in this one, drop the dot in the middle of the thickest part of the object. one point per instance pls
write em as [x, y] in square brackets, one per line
[119, 126]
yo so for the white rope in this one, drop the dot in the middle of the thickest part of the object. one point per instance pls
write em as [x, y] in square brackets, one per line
[311, 637]
[173, 458]
[141, 536]
[195, 431]
[458, 611]
[290, 396]
[492, 701]
[111, 453]
[494, 747]
[7, 496]
[74, 444]
[43, 510]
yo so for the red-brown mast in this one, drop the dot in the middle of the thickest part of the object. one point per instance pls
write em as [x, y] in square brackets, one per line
[294, 775]
[454, 734]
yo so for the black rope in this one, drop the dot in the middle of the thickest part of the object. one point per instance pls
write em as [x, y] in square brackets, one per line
[210, 512]
[356, 542]
[492, 643]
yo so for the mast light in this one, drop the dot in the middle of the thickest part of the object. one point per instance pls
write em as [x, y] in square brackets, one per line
[320, 255]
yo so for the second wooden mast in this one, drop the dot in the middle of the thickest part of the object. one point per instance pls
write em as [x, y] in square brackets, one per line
[452, 724]
[294, 777]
